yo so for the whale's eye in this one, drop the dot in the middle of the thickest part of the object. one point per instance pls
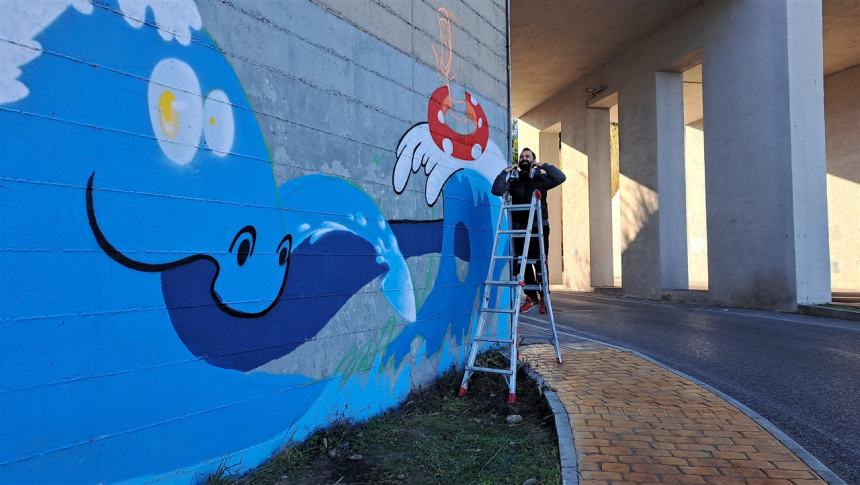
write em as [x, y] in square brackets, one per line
[244, 252]
[247, 238]
[218, 124]
[284, 248]
[175, 109]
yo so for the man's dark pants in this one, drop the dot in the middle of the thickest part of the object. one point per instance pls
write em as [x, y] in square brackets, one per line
[533, 271]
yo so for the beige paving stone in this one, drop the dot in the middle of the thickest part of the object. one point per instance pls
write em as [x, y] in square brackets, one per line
[637, 423]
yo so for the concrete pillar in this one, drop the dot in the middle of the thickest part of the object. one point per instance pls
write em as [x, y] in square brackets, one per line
[528, 137]
[764, 152]
[599, 196]
[671, 180]
[808, 154]
[549, 152]
[640, 234]
[575, 210]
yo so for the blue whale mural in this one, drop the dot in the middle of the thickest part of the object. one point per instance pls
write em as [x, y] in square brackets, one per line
[154, 265]
[214, 330]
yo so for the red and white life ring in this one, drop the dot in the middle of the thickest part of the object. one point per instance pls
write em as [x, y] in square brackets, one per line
[468, 147]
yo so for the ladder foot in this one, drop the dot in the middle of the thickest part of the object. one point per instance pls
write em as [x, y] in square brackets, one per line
[512, 398]
[463, 391]
[558, 360]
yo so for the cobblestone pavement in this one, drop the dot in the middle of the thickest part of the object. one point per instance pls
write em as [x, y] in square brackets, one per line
[800, 373]
[635, 422]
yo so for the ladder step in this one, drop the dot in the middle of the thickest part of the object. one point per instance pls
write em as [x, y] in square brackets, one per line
[502, 283]
[496, 340]
[516, 207]
[489, 369]
[528, 261]
[533, 230]
[497, 310]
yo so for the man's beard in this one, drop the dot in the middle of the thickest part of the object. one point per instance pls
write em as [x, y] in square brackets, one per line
[524, 166]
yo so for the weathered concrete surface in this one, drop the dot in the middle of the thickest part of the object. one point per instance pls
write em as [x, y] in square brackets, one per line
[478, 31]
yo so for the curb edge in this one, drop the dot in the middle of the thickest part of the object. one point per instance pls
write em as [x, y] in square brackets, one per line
[566, 446]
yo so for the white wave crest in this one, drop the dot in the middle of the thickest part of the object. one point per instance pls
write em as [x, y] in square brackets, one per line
[20, 23]
[174, 18]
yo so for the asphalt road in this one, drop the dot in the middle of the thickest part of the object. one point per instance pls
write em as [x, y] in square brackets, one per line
[801, 373]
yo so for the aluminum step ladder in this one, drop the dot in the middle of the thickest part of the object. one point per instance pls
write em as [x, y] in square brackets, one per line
[517, 287]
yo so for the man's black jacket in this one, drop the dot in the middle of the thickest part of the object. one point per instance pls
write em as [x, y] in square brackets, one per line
[521, 189]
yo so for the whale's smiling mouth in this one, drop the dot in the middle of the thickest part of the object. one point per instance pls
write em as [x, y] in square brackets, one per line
[284, 251]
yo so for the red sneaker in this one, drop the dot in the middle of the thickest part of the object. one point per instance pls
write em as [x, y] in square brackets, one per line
[527, 305]
[542, 308]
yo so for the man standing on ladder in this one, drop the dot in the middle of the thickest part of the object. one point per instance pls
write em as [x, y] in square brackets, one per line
[521, 188]
[524, 187]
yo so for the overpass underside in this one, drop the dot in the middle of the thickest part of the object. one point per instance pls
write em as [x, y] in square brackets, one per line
[712, 149]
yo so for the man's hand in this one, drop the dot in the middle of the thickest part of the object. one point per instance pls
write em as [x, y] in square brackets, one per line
[536, 166]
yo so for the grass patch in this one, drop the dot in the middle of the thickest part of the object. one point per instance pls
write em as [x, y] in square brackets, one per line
[435, 437]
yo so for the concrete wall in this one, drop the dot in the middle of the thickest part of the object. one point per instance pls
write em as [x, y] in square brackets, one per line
[697, 222]
[842, 117]
[225, 225]
[766, 204]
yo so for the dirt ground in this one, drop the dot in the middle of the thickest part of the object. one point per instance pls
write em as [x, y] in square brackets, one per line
[435, 437]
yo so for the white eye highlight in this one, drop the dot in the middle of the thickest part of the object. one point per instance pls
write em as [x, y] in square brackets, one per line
[175, 109]
[218, 125]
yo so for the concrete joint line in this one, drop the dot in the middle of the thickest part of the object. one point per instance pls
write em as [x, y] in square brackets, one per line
[811, 461]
